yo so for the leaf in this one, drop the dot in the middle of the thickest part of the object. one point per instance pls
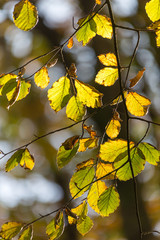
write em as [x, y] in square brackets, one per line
[111, 149]
[98, 1]
[85, 226]
[72, 71]
[96, 190]
[10, 230]
[113, 128]
[108, 201]
[25, 15]
[104, 169]
[80, 179]
[150, 152]
[15, 94]
[90, 131]
[75, 109]
[59, 93]
[103, 26]
[70, 43]
[5, 78]
[87, 143]
[56, 227]
[64, 155]
[107, 76]
[41, 78]
[22, 157]
[158, 38]
[156, 27]
[88, 95]
[80, 211]
[137, 78]
[27, 234]
[153, 10]
[137, 161]
[87, 163]
[137, 104]
[70, 142]
[108, 59]
[119, 98]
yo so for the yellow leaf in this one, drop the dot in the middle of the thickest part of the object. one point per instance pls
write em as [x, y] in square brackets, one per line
[96, 190]
[87, 143]
[136, 104]
[27, 234]
[15, 94]
[75, 109]
[153, 10]
[137, 78]
[10, 229]
[156, 26]
[88, 163]
[59, 93]
[41, 78]
[90, 131]
[56, 226]
[103, 26]
[81, 212]
[88, 95]
[108, 59]
[4, 79]
[107, 76]
[113, 128]
[103, 169]
[25, 15]
[27, 160]
[70, 43]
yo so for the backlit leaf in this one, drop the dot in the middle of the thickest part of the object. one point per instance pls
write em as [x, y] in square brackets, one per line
[104, 169]
[10, 230]
[70, 43]
[88, 95]
[137, 161]
[153, 10]
[87, 143]
[70, 142]
[137, 78]
[137, 104]
[25, 15]
[15, 94]
[80, 179]
[108, 201]
[103, 26]
[41, 78]
[5, 79]
[59, 93]
[150, 152]
[107, 76]
[90, 131]
[27, 160]
[81, 212]
[75, 109]
[108, 59]
[96, 190]
[85, 225]
[27, 234]
[113, 128]
[111, 149]
[84, 164]
[56, 227]
[64, 156]
[156, 27]
[98, 1]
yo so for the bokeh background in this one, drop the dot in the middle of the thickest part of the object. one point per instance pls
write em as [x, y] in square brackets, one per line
[24, 195]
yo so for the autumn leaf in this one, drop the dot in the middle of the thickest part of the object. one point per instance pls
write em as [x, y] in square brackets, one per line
[72, 71]
[88, 95]
[70, 43]
[56, 227]
[87, 143]
[105, 170]
[113, 128]
[119, 99]
[107, 76]
[98, 1]
[108, 59]
[41, 78]
[90, 131]
[25, 15]
[153, 10]
[156, 27]
[87, 163]
[150, 152]
[10, 229]
[75, 109]
[27, 234]
[84, 226]
[80, 211]
[137, 104]
[103, 26]
[59, 93]
[137, 78]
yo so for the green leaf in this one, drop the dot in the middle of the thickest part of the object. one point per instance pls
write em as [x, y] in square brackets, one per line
[153, 10]
[64, 156]
[85, 225]
[10, 230]
[108, 201]
[150, 152]
[59, 93]
[56, 227]
[137, 161]
[25, 15]
[27, 234]
[80, 179]
[75, 109]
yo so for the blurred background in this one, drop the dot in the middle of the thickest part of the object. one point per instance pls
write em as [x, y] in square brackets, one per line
[24, 195]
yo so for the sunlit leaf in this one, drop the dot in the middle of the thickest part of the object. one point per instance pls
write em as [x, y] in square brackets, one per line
[153, 10]
[113, 128]
[150, 152]
[88, 95]
[27, 234]
[80, 211]
[80, 179]
[111, 149]
[15, 94]
[137, 78]
[10, 230]
[98, 1]
[108, 201]
[108, 59]
[70, 142]
[156, 26]
[90, 131]
[41, 78]
[5, 79]
[27, 160]
[56, 227]
[87, 143]
[70, 43]
[65, 155]
[96, 190]
[84, 164]
[75, 109]
[25, 15]
[59, 93]
[107, 76]
[85, 225]
[137, 104]
[103, 26]
[104, 169]
[137, 161]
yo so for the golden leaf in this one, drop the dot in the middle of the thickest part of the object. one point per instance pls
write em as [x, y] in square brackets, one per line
[137, 78]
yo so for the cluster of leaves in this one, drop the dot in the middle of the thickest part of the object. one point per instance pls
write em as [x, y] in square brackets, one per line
[117, 158]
